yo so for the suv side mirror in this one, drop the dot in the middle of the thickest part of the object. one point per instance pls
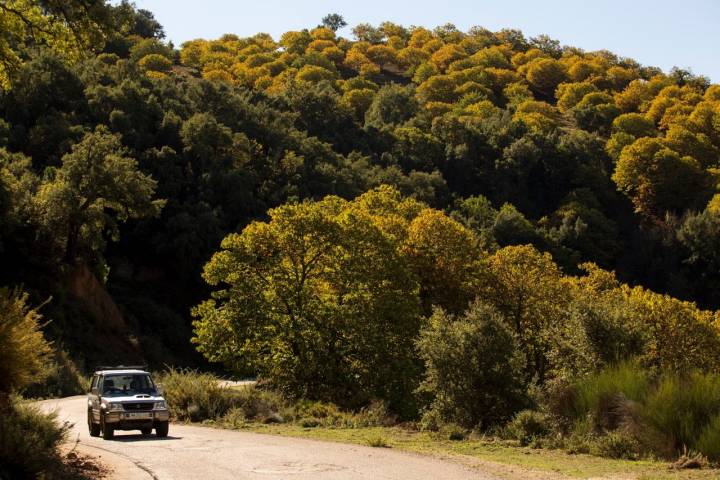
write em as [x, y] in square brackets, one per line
[94, 391]
[160, 389]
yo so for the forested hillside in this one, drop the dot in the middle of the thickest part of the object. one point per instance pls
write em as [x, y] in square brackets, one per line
[125, 160]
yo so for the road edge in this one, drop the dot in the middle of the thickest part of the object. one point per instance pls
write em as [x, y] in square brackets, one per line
[120, 466]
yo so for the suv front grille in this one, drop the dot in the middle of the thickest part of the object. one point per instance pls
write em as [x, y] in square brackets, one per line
[140, 406]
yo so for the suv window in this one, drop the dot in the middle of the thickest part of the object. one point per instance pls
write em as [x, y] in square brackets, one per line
[132, 384]
[94, 383]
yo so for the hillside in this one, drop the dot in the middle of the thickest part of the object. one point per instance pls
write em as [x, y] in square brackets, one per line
[585, 155]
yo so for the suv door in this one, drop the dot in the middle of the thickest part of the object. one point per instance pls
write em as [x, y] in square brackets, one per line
[95, 397]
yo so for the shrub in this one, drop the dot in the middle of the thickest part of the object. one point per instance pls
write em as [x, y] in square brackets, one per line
[62, 379]
[29, 441]
[198, 396]
[604, 395]
[709, 441]
[378, 441]
[616, 445]
[194, 396]
[529, 425]
[681, 410]
[23, 349]
[234, 418]
[473, 367]
[313, 414]
[431, 421]
[454, 432]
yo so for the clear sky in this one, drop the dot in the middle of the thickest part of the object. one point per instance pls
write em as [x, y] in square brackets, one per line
[662, 33]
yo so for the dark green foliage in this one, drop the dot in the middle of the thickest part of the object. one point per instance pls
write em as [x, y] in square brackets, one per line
[62, 379]
[333, 21]
[473, 369]
[200, 396]
[623, 411]
[29, 444]
[529, 425]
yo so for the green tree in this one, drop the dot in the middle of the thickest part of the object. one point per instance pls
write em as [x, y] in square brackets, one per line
[334, 22]
[659, 180]
[69, 27]
[392, 105]
[526, 287]
[97, 187]
[473, 368]
[318, 301]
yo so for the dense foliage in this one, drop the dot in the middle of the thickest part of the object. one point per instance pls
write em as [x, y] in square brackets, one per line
[359, 186]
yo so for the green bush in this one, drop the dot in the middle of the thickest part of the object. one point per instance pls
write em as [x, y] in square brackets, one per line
[681, 410]
[62, 379]
[313, 414]
[453, 432]
[529, 425]
[196, 396]
[29, 441]
[623, 411]
[616, 445]
[474, 370]
[378, 441]
[23, 349]
[605, 395]
[709, 441]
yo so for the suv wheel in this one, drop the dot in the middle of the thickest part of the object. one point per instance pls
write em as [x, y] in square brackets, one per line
[107, 431]
[161, 429]
[94, 428]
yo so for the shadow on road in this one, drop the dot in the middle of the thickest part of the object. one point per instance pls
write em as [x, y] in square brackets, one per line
[142, 438]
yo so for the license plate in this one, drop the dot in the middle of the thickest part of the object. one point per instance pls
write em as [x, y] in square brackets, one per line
[139, 415]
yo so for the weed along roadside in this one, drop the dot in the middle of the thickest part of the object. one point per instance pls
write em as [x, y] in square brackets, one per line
[530, 444]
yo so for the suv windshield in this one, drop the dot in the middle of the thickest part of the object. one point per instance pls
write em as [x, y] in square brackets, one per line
[132, 384]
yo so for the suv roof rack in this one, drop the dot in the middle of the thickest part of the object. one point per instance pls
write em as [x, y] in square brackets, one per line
[121, 367]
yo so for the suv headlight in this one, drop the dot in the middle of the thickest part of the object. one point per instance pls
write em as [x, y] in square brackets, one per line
[114, 406]
[160, 405]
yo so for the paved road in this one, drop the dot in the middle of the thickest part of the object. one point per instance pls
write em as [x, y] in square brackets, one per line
[192, 452]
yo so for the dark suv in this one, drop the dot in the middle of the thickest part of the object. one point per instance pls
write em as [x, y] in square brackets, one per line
[125, 398]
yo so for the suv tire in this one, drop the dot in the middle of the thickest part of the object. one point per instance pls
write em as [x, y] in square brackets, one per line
[107, 431]
[94, 428]
[161, 429]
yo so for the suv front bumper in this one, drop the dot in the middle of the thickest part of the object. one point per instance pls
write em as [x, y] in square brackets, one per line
[120, 418]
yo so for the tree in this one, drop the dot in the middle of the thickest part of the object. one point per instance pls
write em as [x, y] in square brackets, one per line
[334, 22]
[68, 26]
[526, 287]
[545, 75]
[659, 180]
[473, 367]
[318, 301]
[391, 106]
[97, 187]
[444, 255]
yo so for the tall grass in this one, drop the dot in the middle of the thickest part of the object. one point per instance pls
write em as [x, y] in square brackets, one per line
[665, 414]
[600, 394]
[196, 396]
[682, 409]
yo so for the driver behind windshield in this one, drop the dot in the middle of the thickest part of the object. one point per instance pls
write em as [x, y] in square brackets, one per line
[127, 384]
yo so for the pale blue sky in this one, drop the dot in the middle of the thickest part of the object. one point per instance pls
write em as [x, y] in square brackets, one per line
[662, 33]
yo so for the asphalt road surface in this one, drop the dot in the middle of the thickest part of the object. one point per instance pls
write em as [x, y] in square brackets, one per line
[202, 453]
